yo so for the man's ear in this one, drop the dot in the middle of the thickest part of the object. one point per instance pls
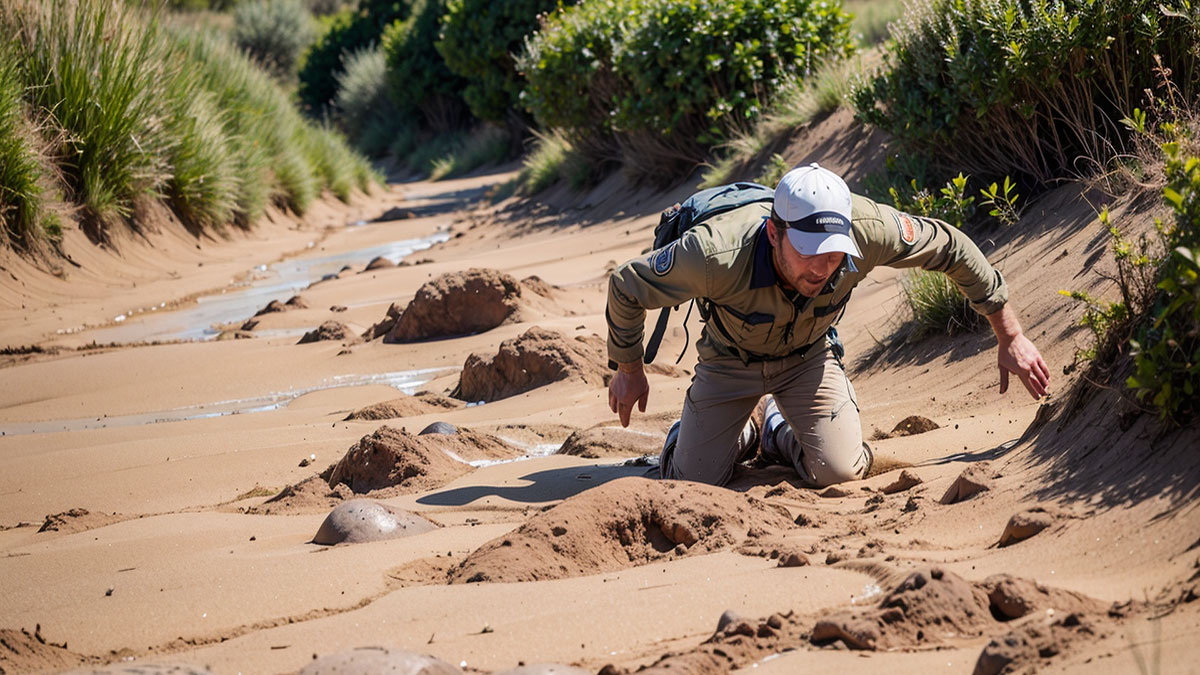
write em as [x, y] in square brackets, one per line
[773, 232]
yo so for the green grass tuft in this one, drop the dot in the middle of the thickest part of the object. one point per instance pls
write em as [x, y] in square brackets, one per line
[20, 190]
[937, 305]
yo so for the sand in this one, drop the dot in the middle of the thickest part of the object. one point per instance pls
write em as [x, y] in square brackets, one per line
[158, 469]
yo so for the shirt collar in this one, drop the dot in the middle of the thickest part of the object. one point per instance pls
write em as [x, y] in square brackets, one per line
[763, 274]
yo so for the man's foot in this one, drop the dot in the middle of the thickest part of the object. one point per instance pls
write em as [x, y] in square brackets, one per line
[668, 448]
[771, 420]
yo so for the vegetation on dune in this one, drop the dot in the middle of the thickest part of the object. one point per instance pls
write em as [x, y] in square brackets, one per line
[478, 40]
[418, 77]
[1032, 89]
[655, 84]
[130, 107]
[20, 172]
[349, 31]
[274, 33]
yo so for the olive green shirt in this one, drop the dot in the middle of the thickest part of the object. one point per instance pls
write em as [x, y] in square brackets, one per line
[727, 259]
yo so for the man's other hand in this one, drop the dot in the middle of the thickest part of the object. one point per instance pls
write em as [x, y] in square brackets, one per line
[628, 386]
[1018, 355]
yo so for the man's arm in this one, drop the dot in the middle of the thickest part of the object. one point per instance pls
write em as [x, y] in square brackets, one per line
[1017, 354]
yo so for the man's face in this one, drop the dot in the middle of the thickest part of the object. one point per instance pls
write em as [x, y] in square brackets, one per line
[805, 273]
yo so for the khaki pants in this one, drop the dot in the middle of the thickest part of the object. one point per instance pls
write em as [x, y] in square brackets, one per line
[822, 438]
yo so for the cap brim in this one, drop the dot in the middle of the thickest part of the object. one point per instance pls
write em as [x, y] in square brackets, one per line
[816, 243]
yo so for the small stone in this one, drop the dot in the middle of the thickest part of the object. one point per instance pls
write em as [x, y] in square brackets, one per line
[1024, 525]
[906, 481]
[793, 559]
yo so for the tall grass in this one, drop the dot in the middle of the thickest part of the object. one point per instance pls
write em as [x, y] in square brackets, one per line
[134, 106]
[274, 33]
[98, 71]
[20, 191]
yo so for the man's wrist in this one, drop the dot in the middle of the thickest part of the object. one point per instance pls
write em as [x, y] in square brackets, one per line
[630, 367]
[1005, 324]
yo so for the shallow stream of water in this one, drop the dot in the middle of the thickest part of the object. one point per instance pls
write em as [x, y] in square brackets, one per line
[406, 381]
[276, 281]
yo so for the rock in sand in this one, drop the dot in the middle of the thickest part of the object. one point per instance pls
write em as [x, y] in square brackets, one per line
[907, 481]
[1024, 525]
[362, 520]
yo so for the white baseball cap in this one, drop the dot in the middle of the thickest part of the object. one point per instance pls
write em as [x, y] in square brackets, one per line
[814, 204]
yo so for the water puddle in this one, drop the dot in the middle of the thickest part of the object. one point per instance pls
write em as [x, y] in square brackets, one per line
[276, 281]
[406, 381]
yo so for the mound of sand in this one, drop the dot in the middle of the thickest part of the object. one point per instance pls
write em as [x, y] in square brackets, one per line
[404, 463]
[621, 524]
[378, 263]
[78, 520]
[405, 406]
[362, 520]
[933, 604]
[25, 652]
[330, 330]
[536, 358]
[462, 303]
[913, 425]
[311, 495]
[609, 441]
[458, 303]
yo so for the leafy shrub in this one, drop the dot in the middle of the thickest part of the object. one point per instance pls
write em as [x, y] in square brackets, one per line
[274, 33]
[350, 30]
[477, 42]
[1166, 350]
[20, 190]
[1030, 88]
[417, 76]
[658, 82]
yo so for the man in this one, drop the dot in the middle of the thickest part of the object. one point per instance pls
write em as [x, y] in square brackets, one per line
[777, 275]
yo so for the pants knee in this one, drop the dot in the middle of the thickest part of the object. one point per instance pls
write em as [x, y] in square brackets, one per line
[836, 466]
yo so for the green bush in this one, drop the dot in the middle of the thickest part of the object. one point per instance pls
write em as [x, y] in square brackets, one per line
[477, 42]
[418, 78]
[364, 107]
[1166, 350]
[937, 305]
[1031, 88]
[488, 144]
[350, 31]
[20, 189]
[274, 33]
[663, 81]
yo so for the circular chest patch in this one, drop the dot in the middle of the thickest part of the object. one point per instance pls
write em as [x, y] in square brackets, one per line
[908, 228]
[664, 260]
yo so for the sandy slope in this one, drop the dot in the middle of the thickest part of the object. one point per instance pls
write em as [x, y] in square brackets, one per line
[168, 566]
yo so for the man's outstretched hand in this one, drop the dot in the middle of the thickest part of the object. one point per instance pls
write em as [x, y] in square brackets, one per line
[628, 386]
[1018, 355]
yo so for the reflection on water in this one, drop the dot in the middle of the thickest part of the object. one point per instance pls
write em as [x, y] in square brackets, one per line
[407, 381]
[278, 281]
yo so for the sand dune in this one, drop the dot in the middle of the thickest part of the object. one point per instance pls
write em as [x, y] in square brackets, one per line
[183, 482]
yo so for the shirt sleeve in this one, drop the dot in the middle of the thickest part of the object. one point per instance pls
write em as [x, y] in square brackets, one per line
[897, 239]
[664, 277]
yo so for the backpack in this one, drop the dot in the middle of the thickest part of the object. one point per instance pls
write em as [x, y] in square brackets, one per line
[695, 210]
